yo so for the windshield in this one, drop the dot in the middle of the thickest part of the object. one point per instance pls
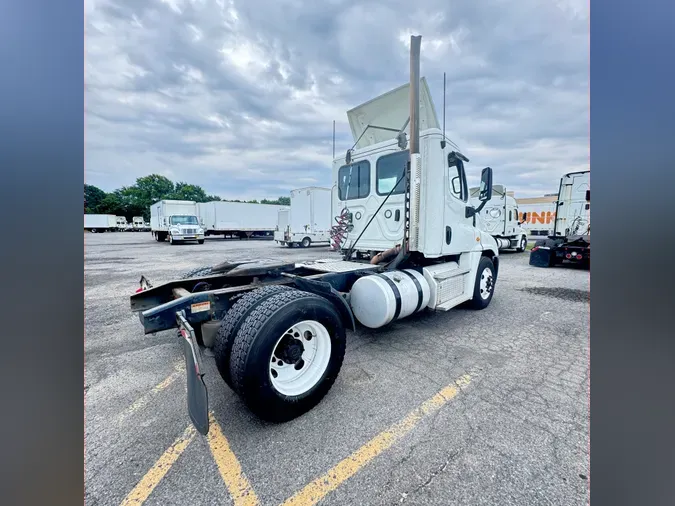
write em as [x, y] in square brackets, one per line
[183, 220]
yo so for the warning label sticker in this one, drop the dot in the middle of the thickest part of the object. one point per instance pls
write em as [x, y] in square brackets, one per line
[200, 307]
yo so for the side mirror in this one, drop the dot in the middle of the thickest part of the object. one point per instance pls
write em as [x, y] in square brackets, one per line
[485, 191]
[402, 140]
[524, 218]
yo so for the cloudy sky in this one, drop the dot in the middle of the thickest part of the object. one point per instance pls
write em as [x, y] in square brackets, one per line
[239, 96]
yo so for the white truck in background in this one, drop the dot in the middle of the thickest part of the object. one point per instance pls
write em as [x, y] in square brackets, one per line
[309, 218]
[122, 224]
[500, 219]
[240, 219]
[540, 211]
[100, 222]
[138, 224]
[283, 219]
[571, 238]
[176, 220]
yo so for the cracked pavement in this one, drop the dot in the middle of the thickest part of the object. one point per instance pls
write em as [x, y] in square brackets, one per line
[517, 434]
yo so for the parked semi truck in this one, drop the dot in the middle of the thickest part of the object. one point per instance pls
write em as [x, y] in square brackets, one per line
[571, 238]
[122, 223]
[100, 222]
[176, 220]
[238, 219]
[309, 218]
[500, 219]
[278, 329]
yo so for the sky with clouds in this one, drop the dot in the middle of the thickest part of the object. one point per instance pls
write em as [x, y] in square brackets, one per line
[239, 96]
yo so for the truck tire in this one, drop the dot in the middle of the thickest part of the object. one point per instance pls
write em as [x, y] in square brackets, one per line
[522, 245]
[306, 242]
[484, 286]
[196, 273]
[232, 323]
[287, 355]
[201, 241]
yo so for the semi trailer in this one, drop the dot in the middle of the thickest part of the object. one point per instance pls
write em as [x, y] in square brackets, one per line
[277, 330]
[176, 220]
[100, 222]
[571, 238]
[500, 219]
[238, 219]
[309, 219]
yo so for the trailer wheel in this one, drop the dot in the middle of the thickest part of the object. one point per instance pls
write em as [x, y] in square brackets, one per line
[523, 244]
[306, 242]
[201, 241]
[484, 287]
[287, 355]
[232, 323]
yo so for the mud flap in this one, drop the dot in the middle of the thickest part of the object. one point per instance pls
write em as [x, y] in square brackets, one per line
[541, 257]
[197, 396]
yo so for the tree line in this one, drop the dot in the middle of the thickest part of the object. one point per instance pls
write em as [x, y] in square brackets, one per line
[135, 200]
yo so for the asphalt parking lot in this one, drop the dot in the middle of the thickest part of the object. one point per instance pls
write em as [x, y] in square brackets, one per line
[454, 408]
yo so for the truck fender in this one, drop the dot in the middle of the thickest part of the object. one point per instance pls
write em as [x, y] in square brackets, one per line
[323, 289]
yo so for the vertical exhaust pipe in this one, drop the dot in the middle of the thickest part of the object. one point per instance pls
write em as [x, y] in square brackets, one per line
[411, 204]
[415, 45]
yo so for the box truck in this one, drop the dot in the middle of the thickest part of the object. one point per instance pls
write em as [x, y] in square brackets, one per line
[501, 220]
[100, 222]
[309, 219]
[571, 238]
[277, 330]
[282, 223]
[239, 219]
[176, 220]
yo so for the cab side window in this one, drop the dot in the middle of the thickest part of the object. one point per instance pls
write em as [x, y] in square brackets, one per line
[457, 183]
[354, 181]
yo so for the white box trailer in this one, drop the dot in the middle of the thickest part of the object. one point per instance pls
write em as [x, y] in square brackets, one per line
[176, 220]
[100, 222]
[540, 211]
[310, 218]
[239, 219]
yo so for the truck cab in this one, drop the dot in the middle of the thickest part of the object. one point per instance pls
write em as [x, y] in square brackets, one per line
[137, 223]
[500, 219]
[184, 227]
[443, 214]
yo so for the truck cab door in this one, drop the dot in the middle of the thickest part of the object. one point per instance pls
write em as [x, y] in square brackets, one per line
[459, 231]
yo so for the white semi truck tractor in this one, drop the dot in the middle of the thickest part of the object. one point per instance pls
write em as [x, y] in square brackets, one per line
[277, 329]
[500, 219]
[571, 238]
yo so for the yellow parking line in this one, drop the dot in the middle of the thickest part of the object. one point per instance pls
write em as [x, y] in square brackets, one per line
[322, 486]
[152, 478]
[145, 399]
[230, 470]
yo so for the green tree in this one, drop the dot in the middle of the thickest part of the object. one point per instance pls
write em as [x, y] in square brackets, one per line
[93, 196]
[185, 191]
[153, 188]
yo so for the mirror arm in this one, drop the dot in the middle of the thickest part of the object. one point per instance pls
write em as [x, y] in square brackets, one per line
[481, 206]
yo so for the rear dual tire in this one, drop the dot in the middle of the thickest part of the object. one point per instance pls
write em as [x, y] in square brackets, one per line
[284, 351]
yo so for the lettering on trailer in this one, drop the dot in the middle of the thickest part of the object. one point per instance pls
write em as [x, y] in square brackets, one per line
[533, 217]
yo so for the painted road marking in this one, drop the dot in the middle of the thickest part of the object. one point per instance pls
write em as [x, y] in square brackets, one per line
[145, 399]
[322, 486]
[157, 472]
[237, 484]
